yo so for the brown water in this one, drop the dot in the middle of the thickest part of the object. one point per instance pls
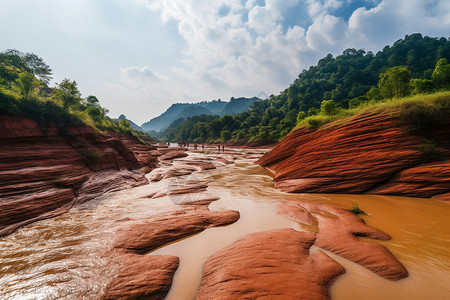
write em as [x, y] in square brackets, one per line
[60, 258]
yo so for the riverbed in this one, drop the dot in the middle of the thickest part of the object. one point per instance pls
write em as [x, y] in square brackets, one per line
[60, 258]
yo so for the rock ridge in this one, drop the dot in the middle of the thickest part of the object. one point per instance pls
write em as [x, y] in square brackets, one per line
[369, 154]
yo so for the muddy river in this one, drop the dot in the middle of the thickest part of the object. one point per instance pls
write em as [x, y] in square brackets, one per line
[60, 258]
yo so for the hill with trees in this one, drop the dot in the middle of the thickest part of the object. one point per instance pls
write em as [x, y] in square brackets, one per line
[24, 92]
[414, 65]
[187, 110]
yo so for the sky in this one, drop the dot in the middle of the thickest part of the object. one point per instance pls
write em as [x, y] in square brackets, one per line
[140, 56]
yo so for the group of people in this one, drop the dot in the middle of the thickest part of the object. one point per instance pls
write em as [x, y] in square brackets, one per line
[186, 144]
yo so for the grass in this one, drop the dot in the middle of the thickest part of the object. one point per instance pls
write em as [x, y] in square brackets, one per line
[356, 210]
[418, 113]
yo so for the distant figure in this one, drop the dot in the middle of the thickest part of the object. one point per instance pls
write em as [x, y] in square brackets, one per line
[223, 149]
[203, 147]
[168, 144]
[218, 148]
[195, 146]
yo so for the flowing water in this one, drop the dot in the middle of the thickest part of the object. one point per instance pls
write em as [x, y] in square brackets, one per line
[60, 258]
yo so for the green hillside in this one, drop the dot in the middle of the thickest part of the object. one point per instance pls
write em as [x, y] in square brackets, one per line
[25, 92]
[354, 78]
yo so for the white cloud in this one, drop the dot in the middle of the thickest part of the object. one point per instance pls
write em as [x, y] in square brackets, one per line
[140, 73]
[319, 7]
[247, 49]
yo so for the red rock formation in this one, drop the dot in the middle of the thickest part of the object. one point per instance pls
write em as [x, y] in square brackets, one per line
[42, 171]
[173, 154]
[150, 276]
[338, 232]
[367, 154]
[275, 264]
[142, 277]
[165, 228]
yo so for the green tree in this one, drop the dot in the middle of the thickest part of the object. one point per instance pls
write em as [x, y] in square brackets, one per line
[93, 101]
[328, 108]
[301, 115]
[421, 86]
[441, 74]
[225, 135]
[67, 92]
[125, 125]
[27, 82]
[374, 94]
[312, 111]
[38, 67]
[395, 82]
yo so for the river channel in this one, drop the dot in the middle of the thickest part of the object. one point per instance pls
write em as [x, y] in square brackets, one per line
[60, 258]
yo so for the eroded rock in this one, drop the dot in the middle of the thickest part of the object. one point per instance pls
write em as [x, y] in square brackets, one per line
[34, 162]
[173, 154]
[168, 227]
[142, 276]
[338, 232]
[269, 265]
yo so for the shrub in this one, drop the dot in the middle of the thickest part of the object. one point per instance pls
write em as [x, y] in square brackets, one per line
[356, 210]
[315, 122]
[419, 116]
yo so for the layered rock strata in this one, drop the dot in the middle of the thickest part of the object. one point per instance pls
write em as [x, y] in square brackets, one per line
[42, 170]
[368, 154]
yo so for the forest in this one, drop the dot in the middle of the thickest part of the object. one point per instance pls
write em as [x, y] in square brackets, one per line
[414, 65]
[25, 92]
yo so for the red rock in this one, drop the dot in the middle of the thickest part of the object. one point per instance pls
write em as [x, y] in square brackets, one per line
[141, 276]
[33, 162]
[148, 276]
[173, 154]
[295, 212]
[18, 211]
[193, 199]
[109, 181]
[442, 197]
[206, 165]
[338, 232]
[180, 171]
[168, 227]
[425, 180]
[156, 175]
[224, 161]
[269, 265]
[367, 154]
[186, 187]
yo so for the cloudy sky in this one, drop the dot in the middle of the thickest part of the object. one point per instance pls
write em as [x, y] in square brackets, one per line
[140, 56]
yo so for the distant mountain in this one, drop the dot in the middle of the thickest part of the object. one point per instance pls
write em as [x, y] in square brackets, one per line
[133, 125]
[238, 105]
[262, 95]
[186, 110]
